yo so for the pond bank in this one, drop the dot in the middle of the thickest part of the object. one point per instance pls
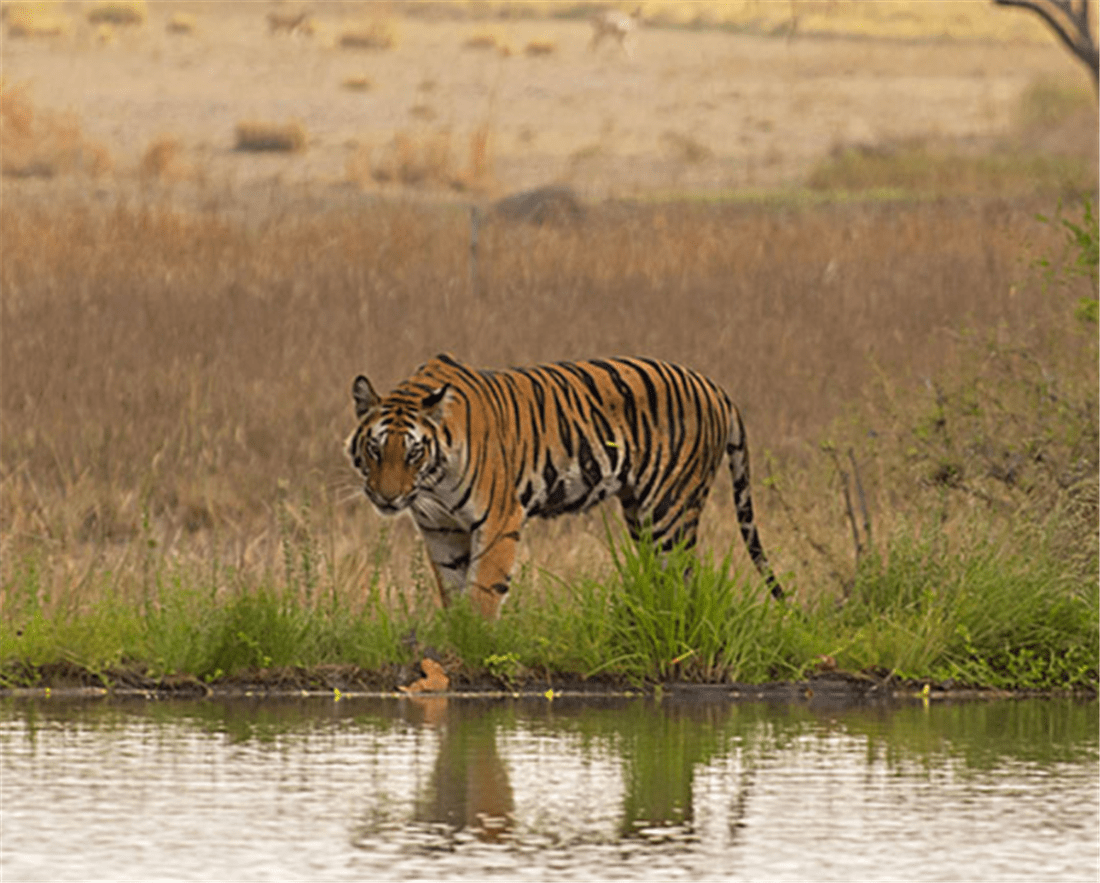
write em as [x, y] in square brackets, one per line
[340, 682]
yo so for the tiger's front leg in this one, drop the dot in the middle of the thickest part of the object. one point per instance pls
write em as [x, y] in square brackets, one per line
[494, 555]
[449, 551]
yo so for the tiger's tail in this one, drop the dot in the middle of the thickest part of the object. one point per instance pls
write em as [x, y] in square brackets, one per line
[738, 452]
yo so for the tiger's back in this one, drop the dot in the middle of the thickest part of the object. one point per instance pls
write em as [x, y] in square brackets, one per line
[473, 453]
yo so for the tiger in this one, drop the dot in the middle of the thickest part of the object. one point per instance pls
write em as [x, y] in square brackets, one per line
[472, 453]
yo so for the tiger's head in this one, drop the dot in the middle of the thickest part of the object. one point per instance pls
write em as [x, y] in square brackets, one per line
[396, 447]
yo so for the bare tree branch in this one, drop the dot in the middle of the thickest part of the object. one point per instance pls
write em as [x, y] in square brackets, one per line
[1069, 19]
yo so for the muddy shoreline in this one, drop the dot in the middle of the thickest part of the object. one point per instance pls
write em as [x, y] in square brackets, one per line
[838, 688]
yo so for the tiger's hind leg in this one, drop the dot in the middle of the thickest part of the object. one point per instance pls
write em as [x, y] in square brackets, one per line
[682, 533]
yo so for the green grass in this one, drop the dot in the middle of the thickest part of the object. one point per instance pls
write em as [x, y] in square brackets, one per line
[680, 619]
[978, 615]
[927, 609]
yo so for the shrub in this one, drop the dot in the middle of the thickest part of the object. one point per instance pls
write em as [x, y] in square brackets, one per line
[43, 144]
[256, 135]
[118, 12]
[540, 47]
[34, 20]
[181, 23]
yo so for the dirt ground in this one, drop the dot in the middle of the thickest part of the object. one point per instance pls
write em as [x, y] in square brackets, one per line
[694, 110]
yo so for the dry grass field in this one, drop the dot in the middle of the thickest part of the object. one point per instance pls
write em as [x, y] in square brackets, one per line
[181, 318]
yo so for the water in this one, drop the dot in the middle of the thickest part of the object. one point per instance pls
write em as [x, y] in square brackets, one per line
[437, 788]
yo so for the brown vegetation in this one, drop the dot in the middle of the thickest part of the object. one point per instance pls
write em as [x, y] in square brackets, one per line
[357, 84]
[43, 144]
[170, 377]
[416, 160]
[425, 159]
[163, 161]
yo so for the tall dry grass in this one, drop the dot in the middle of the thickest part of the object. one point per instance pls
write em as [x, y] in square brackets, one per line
[180, 380]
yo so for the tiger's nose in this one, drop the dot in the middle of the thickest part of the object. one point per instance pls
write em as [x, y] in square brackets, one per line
[381, 501]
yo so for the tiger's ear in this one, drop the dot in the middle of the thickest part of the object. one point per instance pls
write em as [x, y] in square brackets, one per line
[364, 395]
[431, 405]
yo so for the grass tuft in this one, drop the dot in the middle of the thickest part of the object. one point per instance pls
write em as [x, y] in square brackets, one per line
[357, 84]
[163, 160]
[654, 624]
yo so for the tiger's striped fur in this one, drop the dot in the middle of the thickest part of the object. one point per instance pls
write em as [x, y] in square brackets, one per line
[474, 453]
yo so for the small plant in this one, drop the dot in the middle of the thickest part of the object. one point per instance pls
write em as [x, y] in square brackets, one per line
[1080, 259]
[357, 84]
[505, 667]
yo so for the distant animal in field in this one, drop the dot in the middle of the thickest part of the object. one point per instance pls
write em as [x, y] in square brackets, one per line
[473, 453]
[294, 23]
[615, 25]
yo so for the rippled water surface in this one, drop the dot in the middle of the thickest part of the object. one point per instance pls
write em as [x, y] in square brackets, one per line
[439, 788]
